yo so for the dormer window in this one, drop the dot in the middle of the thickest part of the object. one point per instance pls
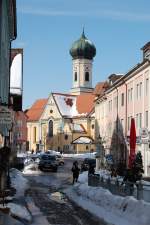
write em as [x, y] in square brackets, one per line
[86, 76]
[146, 51]
[147, 54]
[75, 76]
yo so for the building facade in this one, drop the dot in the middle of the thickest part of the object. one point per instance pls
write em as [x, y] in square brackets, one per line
[126, 97]
[20, 131]
[8, 33]
[59, 120]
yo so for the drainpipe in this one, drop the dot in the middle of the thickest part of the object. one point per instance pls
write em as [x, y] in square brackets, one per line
[117, 126]
[126, 150]
[126, 97]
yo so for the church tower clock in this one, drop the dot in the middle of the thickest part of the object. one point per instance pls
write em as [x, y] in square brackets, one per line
[82, 52]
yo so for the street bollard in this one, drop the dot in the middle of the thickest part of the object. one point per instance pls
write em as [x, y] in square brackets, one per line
[140, 191]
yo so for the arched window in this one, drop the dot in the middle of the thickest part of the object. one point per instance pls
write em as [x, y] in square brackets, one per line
[34, 134]
[86, 76]
[75, 76]
[50, 128]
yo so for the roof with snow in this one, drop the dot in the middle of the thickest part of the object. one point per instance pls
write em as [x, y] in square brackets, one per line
[83, 140]
[77, 128]
[68, 106]
[73, 105]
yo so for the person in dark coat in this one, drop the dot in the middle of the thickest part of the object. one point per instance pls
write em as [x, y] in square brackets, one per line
[91, 170]
[129, 179]
[75, 170]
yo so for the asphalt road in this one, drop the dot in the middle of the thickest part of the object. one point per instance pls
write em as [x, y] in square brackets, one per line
[46, 190]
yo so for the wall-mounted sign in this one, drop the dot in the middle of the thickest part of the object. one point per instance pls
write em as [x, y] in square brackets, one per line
[144, 140]
[6, 117]
[144, 133]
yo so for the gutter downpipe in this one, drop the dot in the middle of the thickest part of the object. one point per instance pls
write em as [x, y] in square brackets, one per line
[117, 126]
[126, 153]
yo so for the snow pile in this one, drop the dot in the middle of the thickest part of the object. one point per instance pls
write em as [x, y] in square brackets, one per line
[80, 156]
[19, 211]
[22, 155]
[18, 182]
[112, 208]
[32, 168]
[83, 140]
[83, 178]
[78, 127]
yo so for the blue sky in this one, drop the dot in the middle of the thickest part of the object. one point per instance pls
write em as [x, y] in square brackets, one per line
[47, 29]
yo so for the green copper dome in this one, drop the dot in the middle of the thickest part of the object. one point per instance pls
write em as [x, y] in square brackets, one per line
[83, 48]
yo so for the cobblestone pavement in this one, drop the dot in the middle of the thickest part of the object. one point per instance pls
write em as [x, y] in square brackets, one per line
[45, 190]
[57, 213]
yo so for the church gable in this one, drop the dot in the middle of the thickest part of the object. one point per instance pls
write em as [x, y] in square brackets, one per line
[51, 109]
[66, 104]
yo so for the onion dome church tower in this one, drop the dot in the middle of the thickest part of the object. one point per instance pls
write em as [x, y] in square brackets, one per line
[82, 52]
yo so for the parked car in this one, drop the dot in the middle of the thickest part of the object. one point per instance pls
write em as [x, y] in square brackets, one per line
[86, 162]
[48, 162]
[60, 159]
[18, 163]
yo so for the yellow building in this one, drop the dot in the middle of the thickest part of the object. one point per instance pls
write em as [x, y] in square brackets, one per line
[54, 123]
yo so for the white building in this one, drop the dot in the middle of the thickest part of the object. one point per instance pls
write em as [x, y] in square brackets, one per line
[128, 96]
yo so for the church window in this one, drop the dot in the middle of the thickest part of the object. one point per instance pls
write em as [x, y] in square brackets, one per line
[34, 134]
[51, 111]
[50, 128]
[86, 76]
[92, 126]
[75, 76]
[66, 137]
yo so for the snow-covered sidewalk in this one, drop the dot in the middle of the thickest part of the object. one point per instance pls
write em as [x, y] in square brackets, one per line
[38, 218]
[113, 209]
[24, 210]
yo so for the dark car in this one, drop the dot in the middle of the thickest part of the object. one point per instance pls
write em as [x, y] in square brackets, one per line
[18, 163]
[48, 162]
[87, 162]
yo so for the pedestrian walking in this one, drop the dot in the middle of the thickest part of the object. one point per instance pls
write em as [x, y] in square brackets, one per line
[75, 170]
[91, 170]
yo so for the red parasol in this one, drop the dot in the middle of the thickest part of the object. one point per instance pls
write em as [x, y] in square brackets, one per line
[132, 142]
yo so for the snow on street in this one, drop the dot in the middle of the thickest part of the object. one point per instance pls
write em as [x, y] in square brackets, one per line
[46, 190]
[52, 197]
